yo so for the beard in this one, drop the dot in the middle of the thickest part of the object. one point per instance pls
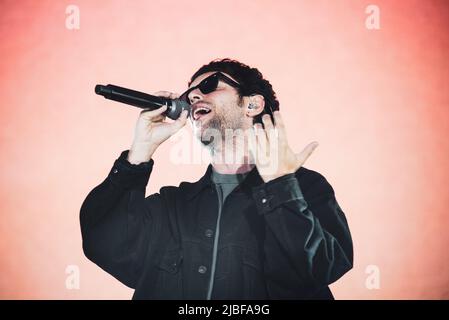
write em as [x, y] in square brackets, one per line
[214, 131]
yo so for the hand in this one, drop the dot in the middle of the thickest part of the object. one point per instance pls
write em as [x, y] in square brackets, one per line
[151, 126]
[152, 129]
[270, 150]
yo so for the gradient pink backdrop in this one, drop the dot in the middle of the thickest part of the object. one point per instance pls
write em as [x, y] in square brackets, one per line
[376, 100]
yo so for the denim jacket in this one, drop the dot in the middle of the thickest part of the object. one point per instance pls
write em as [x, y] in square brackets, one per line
[284, 239]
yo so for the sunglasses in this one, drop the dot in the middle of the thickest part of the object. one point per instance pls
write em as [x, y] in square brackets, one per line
[209, 85]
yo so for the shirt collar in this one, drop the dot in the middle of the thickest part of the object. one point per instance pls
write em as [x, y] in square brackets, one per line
[253, 179]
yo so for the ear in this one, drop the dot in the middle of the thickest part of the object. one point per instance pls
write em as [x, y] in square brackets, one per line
[254, 105]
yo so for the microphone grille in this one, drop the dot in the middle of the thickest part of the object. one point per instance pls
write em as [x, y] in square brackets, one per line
[177, 106]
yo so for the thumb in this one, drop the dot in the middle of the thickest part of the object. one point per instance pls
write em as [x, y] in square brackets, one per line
[306, 152]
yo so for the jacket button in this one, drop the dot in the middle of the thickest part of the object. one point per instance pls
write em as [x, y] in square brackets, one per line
[264, 200]
[202, 269]
[208, 233]
[115, 170]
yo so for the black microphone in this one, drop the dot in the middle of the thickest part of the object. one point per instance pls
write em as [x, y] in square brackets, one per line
[143, 100]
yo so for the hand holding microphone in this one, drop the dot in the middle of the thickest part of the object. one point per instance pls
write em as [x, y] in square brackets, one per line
[151, 128]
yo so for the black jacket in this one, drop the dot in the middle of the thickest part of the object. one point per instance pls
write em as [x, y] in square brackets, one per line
[285, 239]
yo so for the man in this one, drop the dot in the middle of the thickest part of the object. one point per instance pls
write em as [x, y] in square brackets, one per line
[257, 226]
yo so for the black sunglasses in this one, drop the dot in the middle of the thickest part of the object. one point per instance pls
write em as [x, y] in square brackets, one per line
[209, 85]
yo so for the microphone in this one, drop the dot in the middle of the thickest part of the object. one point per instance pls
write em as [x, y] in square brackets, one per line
[143, 100]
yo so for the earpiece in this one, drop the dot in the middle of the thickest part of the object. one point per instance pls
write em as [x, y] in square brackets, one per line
[252, 106]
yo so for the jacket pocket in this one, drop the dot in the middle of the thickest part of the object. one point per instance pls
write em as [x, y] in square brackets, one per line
[170, 275]
[171, 261]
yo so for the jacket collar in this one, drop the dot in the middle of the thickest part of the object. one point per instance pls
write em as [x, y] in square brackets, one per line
[253, 179]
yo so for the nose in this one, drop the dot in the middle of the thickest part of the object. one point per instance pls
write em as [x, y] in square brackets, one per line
[194, 96]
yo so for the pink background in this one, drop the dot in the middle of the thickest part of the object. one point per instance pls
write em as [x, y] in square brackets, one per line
[376, 101]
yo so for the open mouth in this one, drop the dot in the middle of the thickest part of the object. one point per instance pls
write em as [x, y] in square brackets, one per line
[199, 111]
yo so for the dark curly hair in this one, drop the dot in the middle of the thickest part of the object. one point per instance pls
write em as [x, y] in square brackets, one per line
[251, 80]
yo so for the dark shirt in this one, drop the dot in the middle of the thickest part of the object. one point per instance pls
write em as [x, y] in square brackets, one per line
[285, 239]
[224, 184]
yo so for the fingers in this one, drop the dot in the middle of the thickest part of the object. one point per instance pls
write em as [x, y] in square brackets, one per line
[279, 124]
[181, 121]
[260, 132]
[156, 115]
[306, 152]
[167, 94]
[252, 145]
[261, 135]
[150, 114]
[158, 118]
[269, 128]
[261, 142]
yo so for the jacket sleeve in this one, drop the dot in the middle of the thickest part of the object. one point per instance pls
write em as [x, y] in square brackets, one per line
[308, 224]
[116, 222]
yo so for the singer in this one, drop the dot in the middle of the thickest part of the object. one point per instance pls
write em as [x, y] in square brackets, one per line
[256, 225]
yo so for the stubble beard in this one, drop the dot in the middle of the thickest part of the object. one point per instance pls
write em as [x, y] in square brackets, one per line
[213, 135]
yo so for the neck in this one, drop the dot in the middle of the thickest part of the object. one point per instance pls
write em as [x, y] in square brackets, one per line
[228, 161]
[225, 168]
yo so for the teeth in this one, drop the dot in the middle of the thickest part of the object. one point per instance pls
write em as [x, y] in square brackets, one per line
[200, 109]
